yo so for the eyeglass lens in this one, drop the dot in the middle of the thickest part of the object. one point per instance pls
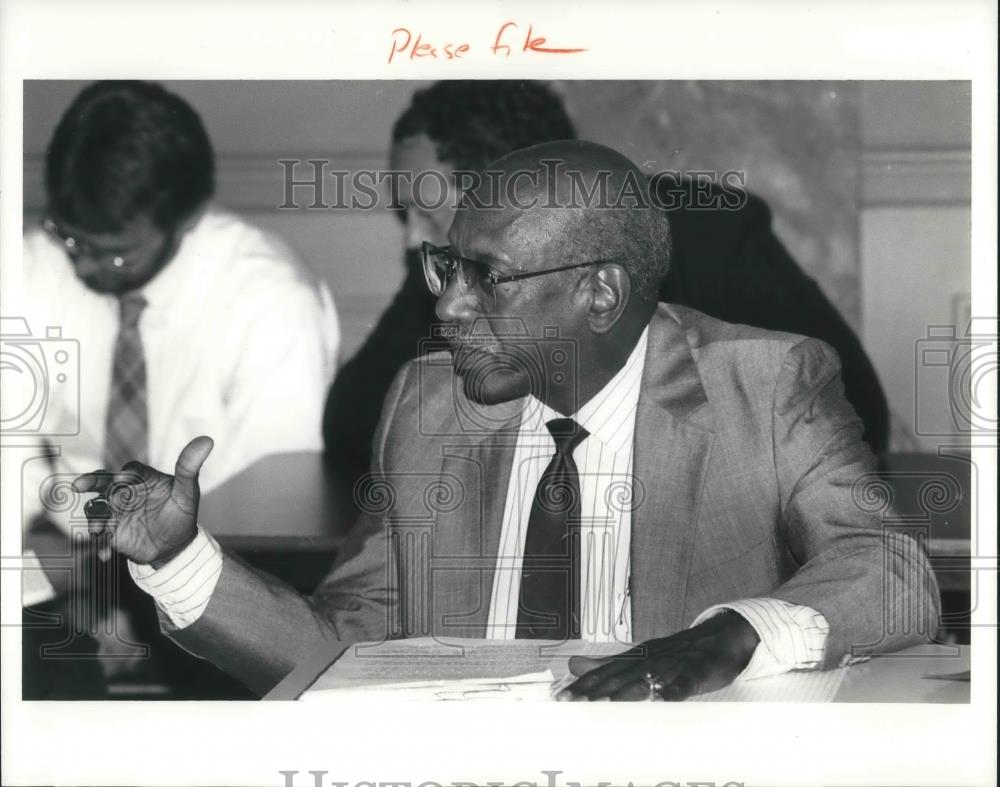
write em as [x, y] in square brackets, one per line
[473, 276]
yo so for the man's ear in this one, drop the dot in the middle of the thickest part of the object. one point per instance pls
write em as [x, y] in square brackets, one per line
[610, 289]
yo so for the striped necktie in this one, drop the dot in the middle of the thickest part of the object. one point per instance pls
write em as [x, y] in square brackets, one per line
[127, 424]
[549, 596]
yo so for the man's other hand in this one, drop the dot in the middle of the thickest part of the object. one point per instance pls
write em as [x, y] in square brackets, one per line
[704, 658]
[150, 516]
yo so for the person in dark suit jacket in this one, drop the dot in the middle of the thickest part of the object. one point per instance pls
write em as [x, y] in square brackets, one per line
[727, 261]
[713, 468]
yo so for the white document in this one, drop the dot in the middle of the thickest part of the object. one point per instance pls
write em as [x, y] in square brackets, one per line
[455, 668]
[484, 669]
[532, 686]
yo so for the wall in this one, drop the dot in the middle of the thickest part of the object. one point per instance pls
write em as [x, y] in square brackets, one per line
[915, 222]
[868, 184]
[796, 142]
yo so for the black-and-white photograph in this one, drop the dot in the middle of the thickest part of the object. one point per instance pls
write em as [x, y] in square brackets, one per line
[496, 390]
[276, 368]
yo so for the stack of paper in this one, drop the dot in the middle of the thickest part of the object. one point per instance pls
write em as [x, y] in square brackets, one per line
[469, 669]
[531, 686]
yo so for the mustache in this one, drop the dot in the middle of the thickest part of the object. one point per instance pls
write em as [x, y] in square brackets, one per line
[474, 344]
[465, 338]
[509, 335]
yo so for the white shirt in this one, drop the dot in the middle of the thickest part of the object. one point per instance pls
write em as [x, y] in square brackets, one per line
[604, 462]
[791, 636]
[239, 339]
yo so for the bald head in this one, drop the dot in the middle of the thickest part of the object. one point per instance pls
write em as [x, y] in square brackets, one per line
[557, 243]
[574, 201]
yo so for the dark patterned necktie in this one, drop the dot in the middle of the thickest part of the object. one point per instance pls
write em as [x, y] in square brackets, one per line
[549, 597]
[127, 424]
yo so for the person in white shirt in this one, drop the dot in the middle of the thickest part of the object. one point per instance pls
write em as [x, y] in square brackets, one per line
[187, 318]
[238, 340]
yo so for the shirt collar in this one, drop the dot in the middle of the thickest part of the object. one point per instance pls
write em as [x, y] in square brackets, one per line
[606, 414]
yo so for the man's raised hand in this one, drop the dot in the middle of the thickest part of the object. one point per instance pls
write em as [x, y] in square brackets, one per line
[152, 516]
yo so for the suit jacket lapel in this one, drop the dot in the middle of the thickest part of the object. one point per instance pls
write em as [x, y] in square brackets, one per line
[670, 462]
[467, 536]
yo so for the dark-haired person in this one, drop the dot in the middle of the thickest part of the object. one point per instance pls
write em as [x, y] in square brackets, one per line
[186, 316]
[727, 262]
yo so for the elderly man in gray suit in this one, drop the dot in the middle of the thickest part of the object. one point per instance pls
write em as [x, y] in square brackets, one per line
[583, 463]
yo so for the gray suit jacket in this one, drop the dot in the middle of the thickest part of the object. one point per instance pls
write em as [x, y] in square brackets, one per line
[750, 470]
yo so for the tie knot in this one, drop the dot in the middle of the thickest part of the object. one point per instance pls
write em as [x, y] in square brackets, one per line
[131, 306]
[567, 433]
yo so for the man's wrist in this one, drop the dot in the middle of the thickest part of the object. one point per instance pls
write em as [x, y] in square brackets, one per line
[183, 587]
[165, 558]
[739, 634]
[791, 636]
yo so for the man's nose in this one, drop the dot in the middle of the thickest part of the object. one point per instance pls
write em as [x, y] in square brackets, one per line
[457, 303]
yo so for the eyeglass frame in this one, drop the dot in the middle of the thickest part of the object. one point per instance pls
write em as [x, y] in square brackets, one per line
[427, 248]
[75, 247]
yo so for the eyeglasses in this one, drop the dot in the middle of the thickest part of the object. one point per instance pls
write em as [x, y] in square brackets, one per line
[441, 264]
[76, 248]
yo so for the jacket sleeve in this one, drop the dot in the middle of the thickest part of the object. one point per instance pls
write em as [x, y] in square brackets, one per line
[873, 585]
[770, 290]
[257, 628]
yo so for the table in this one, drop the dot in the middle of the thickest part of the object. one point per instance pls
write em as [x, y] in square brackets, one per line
[926, 673]
[286, 514]
[919, 674]
[289, 503]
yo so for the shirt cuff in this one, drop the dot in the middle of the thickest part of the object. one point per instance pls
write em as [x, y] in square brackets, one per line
[183, 586]
[792, 637]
